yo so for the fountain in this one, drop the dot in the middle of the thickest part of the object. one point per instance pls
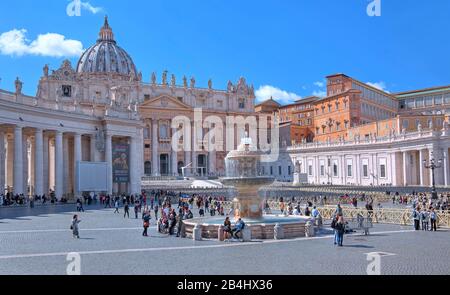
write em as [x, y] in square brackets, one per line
[243, 173]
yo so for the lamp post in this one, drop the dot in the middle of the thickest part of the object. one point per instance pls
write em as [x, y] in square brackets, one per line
[432, 165]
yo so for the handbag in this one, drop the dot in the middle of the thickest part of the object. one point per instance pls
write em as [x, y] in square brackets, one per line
[71, 227]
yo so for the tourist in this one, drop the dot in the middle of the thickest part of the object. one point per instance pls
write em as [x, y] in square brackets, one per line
[433, 218]
[307, 212]
[180, 224]
[146, 219]
[333, 226]
[201, 212]
[79, 205]
[136, 209]
[416, 218]
[340, 229]
[227, 227]
[240, 224]
[315, 212]
[127, 210]
[172, 222]
[74, 227]
[424, 217]
[338, 211]
[156, 209]
[116, 206]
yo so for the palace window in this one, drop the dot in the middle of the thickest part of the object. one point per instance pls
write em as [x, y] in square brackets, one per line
[365, 170]
[67, 90]
[146, 97]
[310, 170]
[335, 169]
[280, 171]
[163, 131]
[383, 171]
[349, 170]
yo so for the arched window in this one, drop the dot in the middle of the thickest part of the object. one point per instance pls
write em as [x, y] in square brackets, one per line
[148, 168]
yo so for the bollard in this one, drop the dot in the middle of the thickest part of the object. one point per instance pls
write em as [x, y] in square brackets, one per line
[197, 233]
[246, 234]
[221, 233]
[278, 232]
[309, 229]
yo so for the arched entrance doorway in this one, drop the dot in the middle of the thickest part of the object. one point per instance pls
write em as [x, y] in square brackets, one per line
[201, 165]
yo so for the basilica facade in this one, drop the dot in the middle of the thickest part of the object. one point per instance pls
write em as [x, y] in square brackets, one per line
[101, 110]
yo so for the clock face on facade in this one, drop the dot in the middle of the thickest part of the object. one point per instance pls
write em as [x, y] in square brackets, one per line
[66, 73]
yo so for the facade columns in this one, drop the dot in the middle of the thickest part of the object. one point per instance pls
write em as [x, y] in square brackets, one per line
[358, 169]
[194, 148]
[18, 161]
[78, 157]
[2, 163]
[135, 183]
[59, 165]
[93, 149]
[155, 144]
[174, 157]
[66, 165]
[211, 152]
[39, 162]
[108, 160]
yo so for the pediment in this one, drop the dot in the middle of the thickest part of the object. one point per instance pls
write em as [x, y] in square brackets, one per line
[165, 102]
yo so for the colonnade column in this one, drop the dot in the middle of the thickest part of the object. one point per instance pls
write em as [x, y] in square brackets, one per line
[59, 165]
[394, 169]
[39, 163]
[405, 168]
[2, 163]
[76, 159]
[421, 167]
[46, 165]
[18, 161]
[445, 166]
[25, 163]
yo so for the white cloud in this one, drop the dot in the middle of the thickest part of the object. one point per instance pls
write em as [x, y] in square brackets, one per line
[378, 85]
[89, 7]
[266, 92]
[320, 93]
[14, 42]
[319, 84]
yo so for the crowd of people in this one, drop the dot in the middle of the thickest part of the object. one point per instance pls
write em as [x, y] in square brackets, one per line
[10, 199]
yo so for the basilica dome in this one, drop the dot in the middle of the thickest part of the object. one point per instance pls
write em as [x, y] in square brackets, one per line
[106, 56]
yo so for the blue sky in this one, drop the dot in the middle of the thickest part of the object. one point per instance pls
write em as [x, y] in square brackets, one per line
[285, 48]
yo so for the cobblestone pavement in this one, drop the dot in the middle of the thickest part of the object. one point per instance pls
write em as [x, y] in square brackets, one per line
[37, 242]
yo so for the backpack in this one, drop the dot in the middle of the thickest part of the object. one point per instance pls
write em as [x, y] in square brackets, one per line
[333, 223]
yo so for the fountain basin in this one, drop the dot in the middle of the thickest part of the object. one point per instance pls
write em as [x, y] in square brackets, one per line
[261, 228]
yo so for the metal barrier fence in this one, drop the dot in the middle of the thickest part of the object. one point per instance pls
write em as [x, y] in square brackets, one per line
[381, 216]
